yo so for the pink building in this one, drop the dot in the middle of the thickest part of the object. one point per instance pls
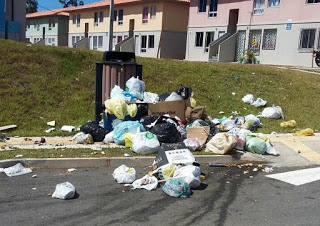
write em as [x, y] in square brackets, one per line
[281, 32]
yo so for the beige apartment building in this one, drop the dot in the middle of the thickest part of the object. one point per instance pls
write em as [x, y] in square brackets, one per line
[149, 28]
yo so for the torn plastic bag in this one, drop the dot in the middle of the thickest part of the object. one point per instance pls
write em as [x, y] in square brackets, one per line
[82, 138]
[161, 158]
[136, 87]
[108, 138]
[145, 143]
[241, 134]
[64, 191]
[192, 144]
[117, 107]
[190, 174]
[185, 92]
[174, 97]
[148, 121]
[274, 112]
[259, 102]
[179, 125]
[221, 143]
[124, 174]
[176, 187]
[16, 170]
[271, 150]
[151, 98]
[98, 133]
[255, 145]
[166, 132]
[167, 171]
[228, 124]
[147, 182]
[248, 99]
[126, 127]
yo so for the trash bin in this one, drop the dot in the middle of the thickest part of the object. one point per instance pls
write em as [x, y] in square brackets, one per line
[116, 68]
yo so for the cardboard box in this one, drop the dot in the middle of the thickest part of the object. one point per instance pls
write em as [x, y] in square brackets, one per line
[173, 108]
[201, 132]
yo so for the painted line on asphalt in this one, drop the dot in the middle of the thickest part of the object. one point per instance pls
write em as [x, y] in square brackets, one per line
[298, 177]
[302, 149]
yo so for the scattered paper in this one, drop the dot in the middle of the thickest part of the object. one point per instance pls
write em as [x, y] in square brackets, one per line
[71, 170]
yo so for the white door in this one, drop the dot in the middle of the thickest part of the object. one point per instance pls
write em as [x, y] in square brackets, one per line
[137, 44]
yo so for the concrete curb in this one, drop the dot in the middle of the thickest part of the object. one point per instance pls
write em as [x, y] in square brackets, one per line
[65, 163]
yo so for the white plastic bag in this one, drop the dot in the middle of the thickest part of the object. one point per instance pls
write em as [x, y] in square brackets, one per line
[82, 138]
[151, 98]
[147, 182]
[136, 87]
[221, 143]
[190, 174]
[274, 112]
[228, 124]
[192, 144]
[271, 150]
[173, 97]
[126, 127]
[145, 143]
[248, 99]
[117, 92]
[108, 138]
[124, 174]
[259, 102]
[16, 170]
[64, 191]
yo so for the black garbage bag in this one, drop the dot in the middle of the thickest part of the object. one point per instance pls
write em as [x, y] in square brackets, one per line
[164, 96]
[166, 132]
[96, 131]
[148, 120]
[185, 92]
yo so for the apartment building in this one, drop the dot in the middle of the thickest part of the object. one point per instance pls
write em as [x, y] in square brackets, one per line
[48, 27]
[280, 32]
[149, 28]
[12, 19]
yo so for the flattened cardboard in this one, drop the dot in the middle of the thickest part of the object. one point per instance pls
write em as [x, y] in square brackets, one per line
[173, 108]
[201, 132]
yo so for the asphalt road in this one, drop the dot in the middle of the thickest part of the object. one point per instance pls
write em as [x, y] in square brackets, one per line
[226, 197]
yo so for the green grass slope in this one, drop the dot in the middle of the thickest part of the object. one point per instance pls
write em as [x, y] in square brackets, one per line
[42, 83]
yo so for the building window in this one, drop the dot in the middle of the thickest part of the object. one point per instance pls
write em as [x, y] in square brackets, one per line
[100, 41]
[53, 41]
[213, 8]
[115, 12]
[209, 39]
[74, 19]
[274, 3]
[78, 20]
[51, 23]
[37, 25]
[95, 43]
[153, 12]
[96, 22]
[119, 39]
[101, 17]
[269, 39]
[221, 33]
[258, 7]
[120, 21]
[255, 41]
[145, 14]
[77, 38]
[307, 38]
[202, 6]
[313, 1]
[151, 42]
[199, 39]
[73, 40]
[143, 43]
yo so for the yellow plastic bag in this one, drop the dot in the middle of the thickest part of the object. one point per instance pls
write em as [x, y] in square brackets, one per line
[168, 171]
[304, 132]
[291, 123]
[117, 107]
[128, 140]
[132, 109]
[193, 102]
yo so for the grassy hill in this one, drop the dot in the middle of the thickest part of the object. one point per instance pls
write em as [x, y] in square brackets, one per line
[42, 83]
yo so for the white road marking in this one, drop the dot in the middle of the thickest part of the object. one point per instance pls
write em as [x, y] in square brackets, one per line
[298, 177]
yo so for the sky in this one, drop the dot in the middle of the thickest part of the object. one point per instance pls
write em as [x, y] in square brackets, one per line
[54, 4]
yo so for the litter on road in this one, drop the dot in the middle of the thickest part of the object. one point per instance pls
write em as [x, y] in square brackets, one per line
[16, 170]
[64, 191]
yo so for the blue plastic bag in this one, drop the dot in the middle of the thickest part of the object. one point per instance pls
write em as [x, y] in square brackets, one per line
[126, 127]
[176, 187]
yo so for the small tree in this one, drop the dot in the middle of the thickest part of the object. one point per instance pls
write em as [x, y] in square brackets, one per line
[31, 6]
[67, 3]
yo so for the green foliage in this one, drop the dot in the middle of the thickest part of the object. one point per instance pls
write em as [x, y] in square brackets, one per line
[249, 56]
[31, 6]
[67, 3]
